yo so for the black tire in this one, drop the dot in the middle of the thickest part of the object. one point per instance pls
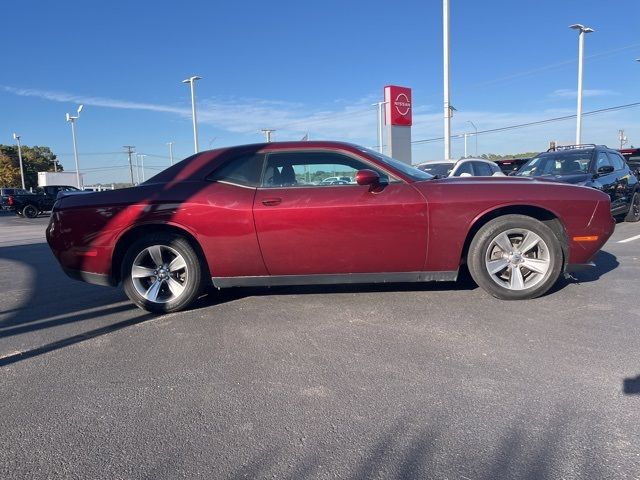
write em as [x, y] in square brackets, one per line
[30, 211]
[190, 278]
[634, 209]
[515, 281]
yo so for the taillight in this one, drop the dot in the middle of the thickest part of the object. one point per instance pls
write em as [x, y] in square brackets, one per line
[10, 200]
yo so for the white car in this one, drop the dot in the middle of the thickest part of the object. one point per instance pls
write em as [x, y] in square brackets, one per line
[466, 167]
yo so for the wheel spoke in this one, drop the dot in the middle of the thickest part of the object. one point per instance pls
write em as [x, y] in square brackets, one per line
[142, 272]
[504, 243]
[536, 265]
[156, 254]
[177, 263]
[495, 266]
[176, 287]
[517, 281]
[153, 291]
[528, 242]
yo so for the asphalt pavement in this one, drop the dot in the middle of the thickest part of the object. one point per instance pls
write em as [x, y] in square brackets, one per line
[351, 382]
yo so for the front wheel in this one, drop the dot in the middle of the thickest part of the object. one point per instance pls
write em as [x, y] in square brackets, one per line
[515, 257]
[634, 209]
[162, 273]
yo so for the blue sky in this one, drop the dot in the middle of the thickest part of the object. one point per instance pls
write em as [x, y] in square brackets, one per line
[313, 66]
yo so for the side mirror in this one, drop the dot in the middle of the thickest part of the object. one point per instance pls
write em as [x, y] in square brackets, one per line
[604, 170]
[367, 177]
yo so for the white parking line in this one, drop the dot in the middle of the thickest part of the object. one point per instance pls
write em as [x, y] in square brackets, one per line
[631, 239]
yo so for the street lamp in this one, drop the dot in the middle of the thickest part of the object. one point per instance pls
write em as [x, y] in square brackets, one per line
[16, 137]
[380, 139]
[192, 82]
[72, 120]
[447, 99]
[142, 155]
[583, 30]
[475, 134]
[170, 152]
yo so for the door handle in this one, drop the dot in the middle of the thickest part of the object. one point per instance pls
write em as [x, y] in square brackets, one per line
[271, 202]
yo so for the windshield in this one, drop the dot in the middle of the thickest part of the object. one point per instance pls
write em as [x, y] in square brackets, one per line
[556, 163]
[408, 170]
[440, 170]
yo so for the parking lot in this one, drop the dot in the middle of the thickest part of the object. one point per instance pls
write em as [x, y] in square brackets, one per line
[392, 381]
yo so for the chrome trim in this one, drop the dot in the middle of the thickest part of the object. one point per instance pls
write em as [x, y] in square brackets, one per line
[330, 279]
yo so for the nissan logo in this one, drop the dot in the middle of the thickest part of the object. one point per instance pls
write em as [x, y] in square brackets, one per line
[402, 104]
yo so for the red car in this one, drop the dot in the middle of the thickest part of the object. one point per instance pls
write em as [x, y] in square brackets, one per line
[260, 215]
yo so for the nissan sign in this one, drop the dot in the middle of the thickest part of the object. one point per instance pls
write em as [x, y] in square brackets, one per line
[397, 105]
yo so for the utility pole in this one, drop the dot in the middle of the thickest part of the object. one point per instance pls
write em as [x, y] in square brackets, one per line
[170, 152]
[622, 138]
[380, 137]
[267, 133]
[137, 169]
[130, 150]
[465, 145]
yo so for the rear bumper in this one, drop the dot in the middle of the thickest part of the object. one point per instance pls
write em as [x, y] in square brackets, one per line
[88, 277]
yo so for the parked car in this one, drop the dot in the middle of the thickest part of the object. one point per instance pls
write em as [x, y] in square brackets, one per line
[337, 181]
[632, 156]
[237, 217]
[6, 192]
[31, 205]
[594, 166]
[467, 167]
[510, 166]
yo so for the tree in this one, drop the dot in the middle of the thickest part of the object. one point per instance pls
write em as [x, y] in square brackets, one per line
[494, 156]
[34, 159]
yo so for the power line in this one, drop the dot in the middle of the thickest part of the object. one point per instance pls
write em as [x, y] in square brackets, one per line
[539, 122]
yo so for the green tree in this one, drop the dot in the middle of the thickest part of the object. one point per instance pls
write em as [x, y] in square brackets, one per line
[34, 159]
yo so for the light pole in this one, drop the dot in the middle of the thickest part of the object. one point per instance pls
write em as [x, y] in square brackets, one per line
[170, 152]
[142, 155]
[137, 169]
[16, 137]
[380, 138]
[72, 120]
[447, 104]
[267, 133]
[475, 135]
[583, 30]
[192, 81]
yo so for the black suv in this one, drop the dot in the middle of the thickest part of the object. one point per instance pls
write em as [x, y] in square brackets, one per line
[594, 166]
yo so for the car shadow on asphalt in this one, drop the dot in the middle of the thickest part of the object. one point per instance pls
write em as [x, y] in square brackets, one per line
[605, 262]
[52, 301]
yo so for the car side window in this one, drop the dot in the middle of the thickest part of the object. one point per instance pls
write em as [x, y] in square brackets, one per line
[616, 161]
[242, 170]
[481, 169]
[602, 160]
[313, 169]
[465, 167]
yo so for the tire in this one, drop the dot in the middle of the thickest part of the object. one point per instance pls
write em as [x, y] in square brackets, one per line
[162, 273]
[634, 209]
[510, 273]
[30, 211]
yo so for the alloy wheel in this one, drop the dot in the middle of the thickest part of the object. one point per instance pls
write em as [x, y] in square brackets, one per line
[159, 274]
[517, 259]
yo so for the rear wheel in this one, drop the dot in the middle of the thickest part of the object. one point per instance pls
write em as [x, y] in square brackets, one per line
[515, 257]
[634, 209]
[162, 273]
[30, 211]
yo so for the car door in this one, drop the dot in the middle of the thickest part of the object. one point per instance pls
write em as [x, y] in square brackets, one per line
[607, 182]
[305, 227]
[624, 183]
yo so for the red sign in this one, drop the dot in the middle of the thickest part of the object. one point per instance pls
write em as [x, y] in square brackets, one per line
[398, 105]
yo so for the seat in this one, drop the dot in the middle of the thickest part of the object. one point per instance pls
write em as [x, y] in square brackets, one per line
[288, 176]
[272, 177]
